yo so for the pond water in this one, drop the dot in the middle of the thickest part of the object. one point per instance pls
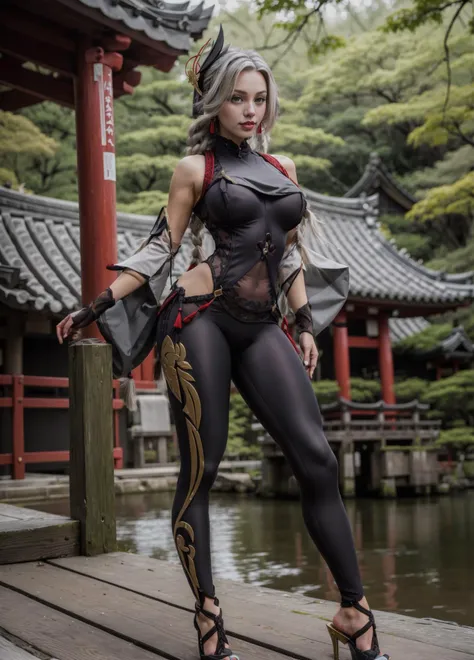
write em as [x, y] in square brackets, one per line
[416, 555]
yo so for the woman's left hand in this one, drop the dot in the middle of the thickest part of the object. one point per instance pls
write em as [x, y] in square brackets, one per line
[310, 352]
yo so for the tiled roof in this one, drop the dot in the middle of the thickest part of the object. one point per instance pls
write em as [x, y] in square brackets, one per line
[350, 234]
[39, 242]
[377, 179]
[401, 328]
[40, 260]
[173, 23]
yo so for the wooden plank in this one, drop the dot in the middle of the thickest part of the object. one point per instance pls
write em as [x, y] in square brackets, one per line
[135, 618]
[289, 621]
[91, 483]
[31, 540]
[59, 635]
[9, 651]
[23, 513]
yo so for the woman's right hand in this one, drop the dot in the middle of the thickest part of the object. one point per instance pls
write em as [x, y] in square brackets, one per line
[85, 316]
[65, 329]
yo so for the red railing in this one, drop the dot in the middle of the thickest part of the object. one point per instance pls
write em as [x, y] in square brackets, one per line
[18, 457]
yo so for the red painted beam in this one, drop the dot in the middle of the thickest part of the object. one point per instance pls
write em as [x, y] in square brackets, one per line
[341, 354]
[45, 87]
[52, 457]
[6, 379]
[59, 456]
[6, 402]
[363, 342]
[63, 404]
[31, 49]
[46, 381]
[53, 402]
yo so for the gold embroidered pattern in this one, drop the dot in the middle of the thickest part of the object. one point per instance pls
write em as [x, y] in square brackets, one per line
[180, 382]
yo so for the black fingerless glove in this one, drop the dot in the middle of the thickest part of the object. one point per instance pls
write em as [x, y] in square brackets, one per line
[91, 313]
[304, 319]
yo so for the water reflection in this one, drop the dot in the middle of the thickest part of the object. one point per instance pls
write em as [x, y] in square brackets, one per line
[415, 555]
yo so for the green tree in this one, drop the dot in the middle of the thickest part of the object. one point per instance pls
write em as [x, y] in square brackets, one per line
[21, 142]
[410, 389]
[453, 397]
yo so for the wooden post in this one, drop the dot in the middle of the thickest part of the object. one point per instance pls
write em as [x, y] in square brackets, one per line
[14, 344]
[347, 469]
[341, 355]
[386, 360]
[91, 485]
[18, 427]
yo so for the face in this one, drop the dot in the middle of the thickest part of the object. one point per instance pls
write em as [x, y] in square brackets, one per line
[240, 116]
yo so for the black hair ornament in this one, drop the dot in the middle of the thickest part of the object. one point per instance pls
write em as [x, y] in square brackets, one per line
[195, 70]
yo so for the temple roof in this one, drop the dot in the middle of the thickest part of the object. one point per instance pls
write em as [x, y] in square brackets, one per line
[173, 23]
[40, 259]
[401, 328]
[456, 344]
[376, 179]
[379, 271]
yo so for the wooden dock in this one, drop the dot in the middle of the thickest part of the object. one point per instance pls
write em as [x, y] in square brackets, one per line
[26, 535]
[120, 606]
[66, 595]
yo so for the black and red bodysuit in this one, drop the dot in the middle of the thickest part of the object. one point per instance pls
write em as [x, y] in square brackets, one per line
[249, 207]
[232, 334]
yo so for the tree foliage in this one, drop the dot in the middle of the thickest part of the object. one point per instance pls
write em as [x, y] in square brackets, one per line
[410, 389]
[458, 437]
[453, 397]
[426, 339]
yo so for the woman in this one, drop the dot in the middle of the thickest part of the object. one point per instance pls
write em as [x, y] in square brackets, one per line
[220, 322]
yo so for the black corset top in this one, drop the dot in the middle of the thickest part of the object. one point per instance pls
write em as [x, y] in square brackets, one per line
[249, 208]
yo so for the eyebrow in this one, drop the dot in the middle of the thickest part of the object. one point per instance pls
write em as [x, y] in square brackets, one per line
[240, 91]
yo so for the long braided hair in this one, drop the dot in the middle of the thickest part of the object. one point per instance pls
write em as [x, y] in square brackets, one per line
[217, 87]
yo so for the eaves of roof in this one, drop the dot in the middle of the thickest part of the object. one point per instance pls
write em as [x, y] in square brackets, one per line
[377, 178]
[172, 23]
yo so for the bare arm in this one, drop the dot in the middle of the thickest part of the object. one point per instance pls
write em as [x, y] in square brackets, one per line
[184, 191]
[185, 188]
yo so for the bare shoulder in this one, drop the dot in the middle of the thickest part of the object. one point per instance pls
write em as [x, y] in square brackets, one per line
[190, 167]
[288, 164]
[189, 175]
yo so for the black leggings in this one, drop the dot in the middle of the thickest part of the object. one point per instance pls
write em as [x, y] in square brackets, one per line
[199, 360]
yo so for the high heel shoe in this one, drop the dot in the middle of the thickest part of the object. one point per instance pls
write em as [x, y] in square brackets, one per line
[221, 653]
[356, 654]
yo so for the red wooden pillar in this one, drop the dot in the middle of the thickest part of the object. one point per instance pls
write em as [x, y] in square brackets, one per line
[96, 168]
[386, 360]
[341, 354]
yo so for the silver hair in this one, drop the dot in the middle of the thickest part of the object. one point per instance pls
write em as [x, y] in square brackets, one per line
[217, 87]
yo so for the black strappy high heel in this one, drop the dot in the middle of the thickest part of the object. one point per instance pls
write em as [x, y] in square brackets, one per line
[221, 652]
[356, 654]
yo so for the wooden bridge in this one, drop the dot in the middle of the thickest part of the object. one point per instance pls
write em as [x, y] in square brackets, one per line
[380, 447]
